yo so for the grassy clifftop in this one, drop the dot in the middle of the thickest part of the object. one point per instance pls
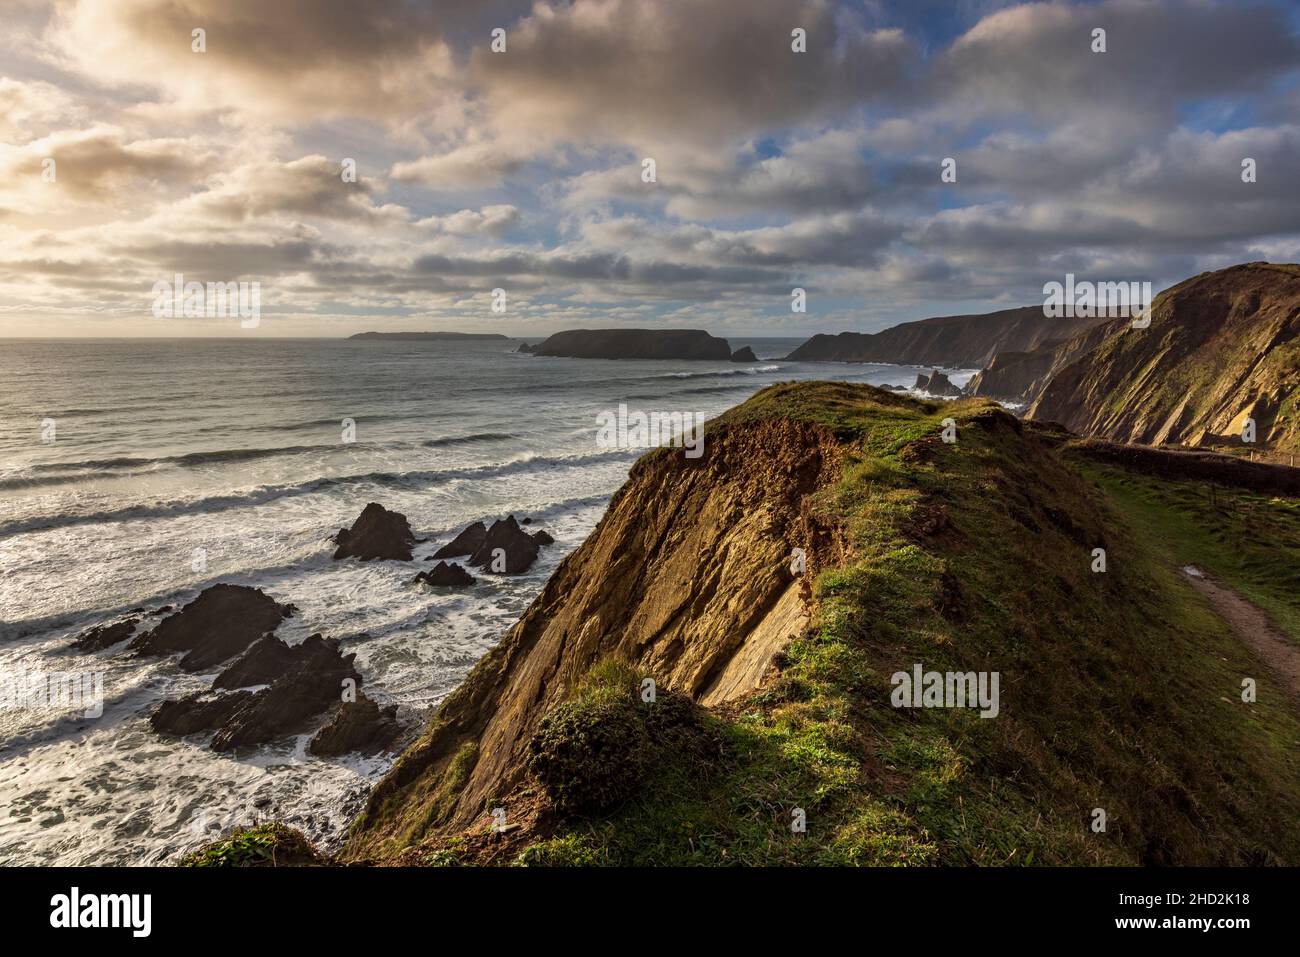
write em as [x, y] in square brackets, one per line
[1119, 690]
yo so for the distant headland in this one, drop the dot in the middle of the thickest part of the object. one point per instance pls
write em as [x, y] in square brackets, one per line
[418, 336]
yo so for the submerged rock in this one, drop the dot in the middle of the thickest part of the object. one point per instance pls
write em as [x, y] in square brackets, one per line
[217, 625]
[444, 574]
[376, 534]
[104, 636]
[543, 537]
[466, 543]
[359, 725]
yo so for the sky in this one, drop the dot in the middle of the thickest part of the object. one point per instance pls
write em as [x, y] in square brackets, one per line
[524, 169]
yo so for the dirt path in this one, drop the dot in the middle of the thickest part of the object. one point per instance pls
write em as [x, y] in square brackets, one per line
[1252, 627]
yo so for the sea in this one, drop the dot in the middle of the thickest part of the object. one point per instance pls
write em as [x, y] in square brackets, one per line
[134, 473]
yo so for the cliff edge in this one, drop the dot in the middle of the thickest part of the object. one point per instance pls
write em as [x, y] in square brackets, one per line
[712, 676]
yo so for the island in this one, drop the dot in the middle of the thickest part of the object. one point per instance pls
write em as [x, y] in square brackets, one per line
[429, 336]
[634, 344]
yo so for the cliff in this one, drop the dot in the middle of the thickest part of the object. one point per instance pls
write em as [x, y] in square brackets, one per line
[1221, 347]
[774, 682]
[634, 344]
[965, 342]
[1014, 376]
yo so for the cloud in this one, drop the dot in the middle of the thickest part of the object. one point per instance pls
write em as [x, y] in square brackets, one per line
[706, 72]
[329, 57]
[523, 168]
[488, 221]
[312, 187]
[97, 165]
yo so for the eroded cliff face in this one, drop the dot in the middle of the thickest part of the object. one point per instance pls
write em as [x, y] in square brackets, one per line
[1012, 376]
[952, 341]
[1221, 347]
[688, 577]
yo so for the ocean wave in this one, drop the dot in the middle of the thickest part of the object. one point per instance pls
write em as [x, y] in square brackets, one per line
[57, 473]
[749, 370]
[260, 495]
[467, 439]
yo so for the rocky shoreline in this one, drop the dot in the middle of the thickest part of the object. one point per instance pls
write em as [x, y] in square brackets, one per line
[265, 689]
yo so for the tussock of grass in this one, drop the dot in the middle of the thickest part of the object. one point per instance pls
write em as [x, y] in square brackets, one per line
[263, 845]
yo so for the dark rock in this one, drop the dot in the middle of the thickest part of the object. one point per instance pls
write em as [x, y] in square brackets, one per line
[466, 543]
[307, 688]
[744, 355]
[444, 574]
[219, 624]
[359, 725]
[376, 534]
[304, 680]
[265, 660]
[197, 712]
[519, 547]
[936, 383]
[542, 537]
[525, 521]
[102, 636]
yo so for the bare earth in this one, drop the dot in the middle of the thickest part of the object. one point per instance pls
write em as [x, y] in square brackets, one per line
[1249, 623]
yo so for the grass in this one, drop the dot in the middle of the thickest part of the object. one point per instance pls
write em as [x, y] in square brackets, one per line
[1248, 540]
[1118, 690]
[263, 845]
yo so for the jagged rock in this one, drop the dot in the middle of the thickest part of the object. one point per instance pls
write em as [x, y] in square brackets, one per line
[307, 688]
[466, 543]
[264, 661]
[103, 636]
[359, 725]
[519, 547]
[542, 537]
[444, 574]
[525, 521]
[376, 534]
[936, 383]
[201, 711]
[745, 354]
[217, 625]
[306, 684]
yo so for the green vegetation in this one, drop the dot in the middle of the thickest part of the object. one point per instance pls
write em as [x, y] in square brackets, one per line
[1248, 540]
[598, 748]
[1118, 690]
[263, 845]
